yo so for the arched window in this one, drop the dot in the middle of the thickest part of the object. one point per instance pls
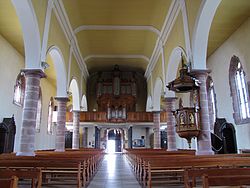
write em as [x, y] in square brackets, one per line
[239, 91]
[39, 111]
[19, 90]
[50, 115]
[211, 101]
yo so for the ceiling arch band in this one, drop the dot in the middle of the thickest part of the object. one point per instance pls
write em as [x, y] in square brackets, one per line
[117, 27]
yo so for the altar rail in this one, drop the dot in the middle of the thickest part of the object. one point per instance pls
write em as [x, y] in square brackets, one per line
[102, 117]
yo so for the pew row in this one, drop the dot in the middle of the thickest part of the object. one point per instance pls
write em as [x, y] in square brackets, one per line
[10, 182]
[217, 177]
[80, 165]
[159, 167]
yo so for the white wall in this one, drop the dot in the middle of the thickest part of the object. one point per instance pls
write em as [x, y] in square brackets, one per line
[43, 139]
[137, 132]
[11, 62]
[91, 136]
[237, 44]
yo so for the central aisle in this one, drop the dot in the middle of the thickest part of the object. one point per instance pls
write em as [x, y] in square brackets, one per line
[114, 172]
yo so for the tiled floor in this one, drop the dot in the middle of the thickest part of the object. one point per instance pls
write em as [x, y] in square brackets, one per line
[114, 172]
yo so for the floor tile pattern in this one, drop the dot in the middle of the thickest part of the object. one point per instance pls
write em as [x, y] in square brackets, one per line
[114, 172]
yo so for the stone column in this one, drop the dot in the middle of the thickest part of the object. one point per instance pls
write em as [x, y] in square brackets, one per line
[60, 128]
[171, 130]
[85, 137]
[76, 125]
[27, 142]
[204, 138]
[157, 134]
[130, 137]
[147, 140]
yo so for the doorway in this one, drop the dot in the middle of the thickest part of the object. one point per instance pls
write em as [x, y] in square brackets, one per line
[114, 143]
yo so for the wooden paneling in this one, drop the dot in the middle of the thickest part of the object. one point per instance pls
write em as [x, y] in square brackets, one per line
[102, 117]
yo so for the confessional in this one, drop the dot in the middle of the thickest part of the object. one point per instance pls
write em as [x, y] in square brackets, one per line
[7, 135]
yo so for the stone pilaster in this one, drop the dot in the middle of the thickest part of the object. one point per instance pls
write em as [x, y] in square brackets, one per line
[60, 128]
[157, 134]
[171, 123]
[27, 142]
[76, 125]
[85, 137]
[204, 138]
[147, 140]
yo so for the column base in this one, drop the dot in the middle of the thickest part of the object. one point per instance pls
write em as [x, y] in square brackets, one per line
[75, 147]
[60, 150]
[204, 152]
[171, 149]
[25, 154]
[157, 147]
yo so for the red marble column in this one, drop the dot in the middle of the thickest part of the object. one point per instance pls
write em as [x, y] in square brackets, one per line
[171, 130]
[60, 128]
[157, 134]
[76, 125]
[204, 138]
[27, 142]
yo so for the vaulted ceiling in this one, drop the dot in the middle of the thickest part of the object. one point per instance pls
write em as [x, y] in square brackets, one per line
[112, 32]
[120, 32]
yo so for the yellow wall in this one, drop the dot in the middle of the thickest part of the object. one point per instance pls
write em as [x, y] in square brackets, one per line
[84, 86]
[75, 71]
[157, 72]
[57, 38]
[176, 38]
[192, 10]
[40, 7]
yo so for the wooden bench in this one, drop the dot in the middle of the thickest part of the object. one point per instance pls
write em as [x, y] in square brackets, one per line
[178, 165]
[11, 182]
[217, 177]
[34, 174]
[81, 165]
[150, 166]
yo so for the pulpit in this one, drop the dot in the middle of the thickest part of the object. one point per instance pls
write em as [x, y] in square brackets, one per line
[187, 118]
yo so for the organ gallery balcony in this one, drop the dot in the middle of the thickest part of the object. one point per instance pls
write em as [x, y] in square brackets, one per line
[102, 117]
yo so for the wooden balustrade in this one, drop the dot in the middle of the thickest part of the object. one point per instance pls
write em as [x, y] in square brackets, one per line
[102, 117]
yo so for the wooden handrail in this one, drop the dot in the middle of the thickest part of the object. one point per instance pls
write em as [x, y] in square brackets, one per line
[102, 117]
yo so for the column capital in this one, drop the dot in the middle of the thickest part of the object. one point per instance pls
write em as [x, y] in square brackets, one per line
[170, 99]
[197, 72]
[65, 99]
[34, 72]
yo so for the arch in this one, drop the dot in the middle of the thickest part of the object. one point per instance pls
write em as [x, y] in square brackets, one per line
[58, 61]
[149, 104]
[74, 89]
[201, 31]
[31, 34]
[157, 95]
[84, 104]
[173, 67]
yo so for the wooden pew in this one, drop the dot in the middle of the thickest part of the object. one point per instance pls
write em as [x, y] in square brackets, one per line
[217, 177]
[11, 182]
[81, 164]
[154, 164]
[177, 165]
[34, 174]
